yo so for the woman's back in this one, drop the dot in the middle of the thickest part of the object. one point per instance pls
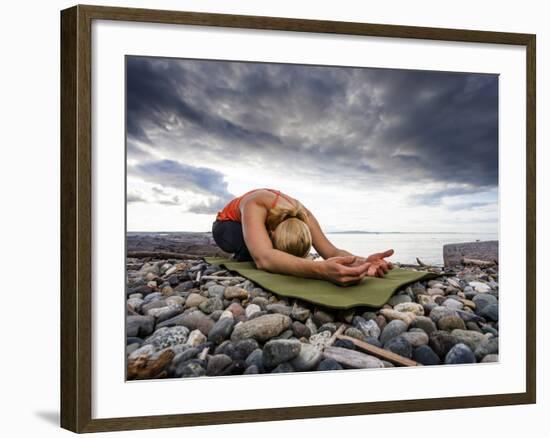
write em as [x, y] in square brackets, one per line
[231, 211]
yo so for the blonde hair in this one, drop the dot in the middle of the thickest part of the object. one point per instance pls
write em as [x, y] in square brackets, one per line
[292, 233]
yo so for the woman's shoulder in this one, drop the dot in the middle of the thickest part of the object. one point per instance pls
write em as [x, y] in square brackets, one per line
[256, 196]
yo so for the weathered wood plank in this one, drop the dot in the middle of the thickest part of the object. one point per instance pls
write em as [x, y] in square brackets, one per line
[394, 358]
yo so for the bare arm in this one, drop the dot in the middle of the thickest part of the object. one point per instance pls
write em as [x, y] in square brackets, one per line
[326, 249]
[266, 257]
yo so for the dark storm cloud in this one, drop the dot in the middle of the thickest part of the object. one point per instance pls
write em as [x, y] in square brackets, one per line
[157, 97]
[169, 173]
[399, 126]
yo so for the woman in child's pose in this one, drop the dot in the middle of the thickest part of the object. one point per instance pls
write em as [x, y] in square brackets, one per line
[276, 232]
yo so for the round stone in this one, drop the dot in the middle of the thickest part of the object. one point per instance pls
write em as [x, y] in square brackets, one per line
[472, 326]
[194, 300]
[393, 329]
[480, 287]
[486, 328]
[451, 322]
[308, 358]
[255, 358]
[439, 312]
[453, 304]
[415, 308]
[321, 317]
[192, 320]
[236, 309]
[231, 292]
[278, 351]
[139, 325]
[217, 364]
[488, 346]
[490, 312]
[195, 338]
[279, 308]
[211, 304]
[261, 328]
[416, 338]
[483, 300]
[469, 337]
[435, 291]
[344, 343]
[329, 326]
[191, 368]
[392, 314]
[460, 353]
[167, 336]
[329, 365]
[424, 300]
[221, 330]
[260, 301]
[300, 330]
[355, 333]
[251, 309]
[441, 342]
[300, 313]
[425, 355]
[369, 328]
[399, 299]
[399, 345]
[425, 323]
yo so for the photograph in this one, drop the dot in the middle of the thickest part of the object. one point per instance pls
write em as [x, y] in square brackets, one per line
[289, 218]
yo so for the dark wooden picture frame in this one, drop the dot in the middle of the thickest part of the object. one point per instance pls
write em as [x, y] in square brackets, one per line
[76, 218]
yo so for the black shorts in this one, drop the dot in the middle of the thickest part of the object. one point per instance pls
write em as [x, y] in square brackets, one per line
[228, 235]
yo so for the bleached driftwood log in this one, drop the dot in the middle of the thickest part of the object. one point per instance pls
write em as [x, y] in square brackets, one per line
[476, 262]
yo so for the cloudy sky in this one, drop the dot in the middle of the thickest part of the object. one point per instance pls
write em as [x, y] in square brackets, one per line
[363, 149]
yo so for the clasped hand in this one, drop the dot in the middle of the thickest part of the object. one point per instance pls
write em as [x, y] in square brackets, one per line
[350, 270]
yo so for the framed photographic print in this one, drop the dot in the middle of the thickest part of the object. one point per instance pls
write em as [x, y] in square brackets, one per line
[274, 209]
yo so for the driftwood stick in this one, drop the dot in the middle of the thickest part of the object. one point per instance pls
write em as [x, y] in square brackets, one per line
[394, 358]
[420, 262]
[223, 271]
[337, 333]
[476, 262]
[219, 277]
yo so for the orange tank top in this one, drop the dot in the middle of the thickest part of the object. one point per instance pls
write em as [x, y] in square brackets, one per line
[232, 212]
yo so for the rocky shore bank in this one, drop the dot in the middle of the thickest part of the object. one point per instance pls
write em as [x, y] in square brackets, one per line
[187, 318]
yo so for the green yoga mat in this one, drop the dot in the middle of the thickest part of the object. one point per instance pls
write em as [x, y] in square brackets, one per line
[371, 292]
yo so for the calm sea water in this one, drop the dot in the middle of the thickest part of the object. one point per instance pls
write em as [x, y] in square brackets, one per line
[427, 247]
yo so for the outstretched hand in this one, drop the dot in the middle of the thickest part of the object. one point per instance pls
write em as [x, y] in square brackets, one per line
[345, 270]
[378, 266]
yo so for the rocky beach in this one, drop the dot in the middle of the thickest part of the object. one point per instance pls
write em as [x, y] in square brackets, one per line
[187, 318]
